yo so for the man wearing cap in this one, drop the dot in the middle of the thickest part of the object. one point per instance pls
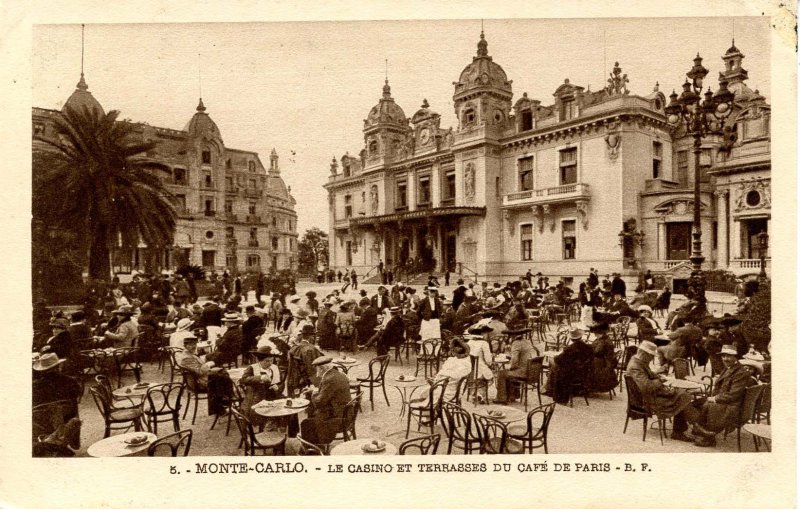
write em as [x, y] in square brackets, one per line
[430, 309]
[327, 404]
[657, 396]
[126, 330]
[189, 360]
[522, 351]
[567, 367]
[301, 359]
[458, 294]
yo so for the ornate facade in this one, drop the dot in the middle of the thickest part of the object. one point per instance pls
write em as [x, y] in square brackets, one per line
[233, 212]
[593, 179]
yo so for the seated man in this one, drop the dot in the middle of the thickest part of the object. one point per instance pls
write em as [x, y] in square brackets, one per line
[566, 367]
[327, 404]
[620, 307]
[301, 360]
[189, 360]
[229, 346]
[721, 410]
[661, 399]
[392, 333]
[682, 341]
[522, 351]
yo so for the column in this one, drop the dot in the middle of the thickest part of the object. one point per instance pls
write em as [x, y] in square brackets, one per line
[662, 241]
[736, 239]
[722, 229]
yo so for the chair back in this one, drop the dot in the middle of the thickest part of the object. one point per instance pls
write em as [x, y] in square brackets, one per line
[164, 398]
[245, 430]
[456, 419]
[460, 388]
[430, 349]
[421, 445]
[545, 413]
[308, 449]
[172, 445]
[102, 402]
[749, 407]
[104, 384]
[377, 368]
[47, 417]
[436, 395]
[493, 434]
[625, 321]
[533, 371]
[191, 381]
[630, 351]
[765, 404]
[635, 398]
[681, 368]
[349, 416]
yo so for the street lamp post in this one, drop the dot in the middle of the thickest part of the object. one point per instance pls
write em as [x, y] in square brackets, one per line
[763, 244]
[699, 117]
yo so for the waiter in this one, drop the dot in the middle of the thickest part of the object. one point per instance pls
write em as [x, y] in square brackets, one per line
[430, 309]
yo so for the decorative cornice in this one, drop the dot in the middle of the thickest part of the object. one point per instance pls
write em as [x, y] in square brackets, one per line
[419, 214]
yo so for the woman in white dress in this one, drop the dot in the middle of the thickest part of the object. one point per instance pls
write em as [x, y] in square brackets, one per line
[481, 352]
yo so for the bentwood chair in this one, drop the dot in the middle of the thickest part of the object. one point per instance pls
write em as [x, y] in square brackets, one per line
[273, 441]
[163, 404]
[494, 437]
[638, 410]
[114, 417]
[376, 378]
[428, 357]
[533, 434]
[127, 360]
[458, 428]
[194, 391]
[629, 352]
[173, 444]
[581, 385]
[427, 411]
[424, 445]
[168, 356]
[748, 410]
[533, 378]
[308, 449]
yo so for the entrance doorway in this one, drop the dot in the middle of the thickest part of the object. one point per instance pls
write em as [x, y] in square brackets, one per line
[425, 249]
[679, 237]
[449, 254]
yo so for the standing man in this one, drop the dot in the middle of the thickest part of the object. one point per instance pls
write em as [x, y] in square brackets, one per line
[529, 277]
[380, 271]
[192, 287]
[618, 285]
[430, 309]
[354, 279]
[458, 294]
[259, 286]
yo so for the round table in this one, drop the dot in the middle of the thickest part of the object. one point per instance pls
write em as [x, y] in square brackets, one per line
[511, 414]
[402, 387]
[353, 448]
[132, 391]
[115, 446]
[278, 408]
[687, 385]
[346, 365]
[760, 430]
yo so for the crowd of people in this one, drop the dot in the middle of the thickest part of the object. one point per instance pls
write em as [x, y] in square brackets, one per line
[285, 341]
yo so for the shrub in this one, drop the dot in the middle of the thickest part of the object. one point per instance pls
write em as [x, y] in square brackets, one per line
[757, 318]
[197, 271]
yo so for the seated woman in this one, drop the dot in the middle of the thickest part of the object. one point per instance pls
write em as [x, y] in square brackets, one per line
[481, 353]
[646, 325]
[262, 381]
[565, 369]
[454, 369]
[604, 361]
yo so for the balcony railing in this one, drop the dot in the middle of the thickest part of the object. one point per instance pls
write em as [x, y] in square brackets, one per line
[750, 263]
[564, 193]
[231, 191]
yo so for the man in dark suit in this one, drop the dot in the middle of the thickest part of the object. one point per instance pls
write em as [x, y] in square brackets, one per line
[61, 342]
[367, 320]
[381, 301]
[567, 367]
[250, 329]
[211, 315]
[618, 285]
[619, 306]
[458, 294]
[327, 405]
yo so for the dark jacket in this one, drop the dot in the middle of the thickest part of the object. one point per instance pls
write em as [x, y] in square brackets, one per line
[386, 302]
[366, 323]
[604, 364]
[211, 315]
[249, 329]
[618, 286]
[428, 313]
[729, 390]
[567, 369]
[458, 296]
[657, 396]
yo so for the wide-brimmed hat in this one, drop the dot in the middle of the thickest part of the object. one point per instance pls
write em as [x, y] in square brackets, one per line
[294, 298]
[648, 347]
[394, 309]
[307, 329]
[321, 361]
[479, 329]
[124, 310]
[183, 324]
[728, 350]
[644, 307]
[262, 351]
[311, 294]
[576, 333]
[729, 321]
[231, 317]
[47, 361]
[750, 362]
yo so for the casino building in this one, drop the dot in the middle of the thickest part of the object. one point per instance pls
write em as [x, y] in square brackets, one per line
[585, 179]
[233, 211]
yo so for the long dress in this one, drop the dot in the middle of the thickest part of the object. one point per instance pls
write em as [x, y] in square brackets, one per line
[604, 364]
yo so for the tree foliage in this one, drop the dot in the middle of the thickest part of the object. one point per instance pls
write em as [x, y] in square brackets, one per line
[757, 317]
[313, 251]
[95, 180]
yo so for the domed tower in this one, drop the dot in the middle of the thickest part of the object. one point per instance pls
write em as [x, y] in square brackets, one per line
[482, 92]
[81, 98]
[206, 158]
[385, 129]
[734, 74]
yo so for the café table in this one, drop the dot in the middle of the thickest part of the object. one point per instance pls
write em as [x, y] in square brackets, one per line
[685, 385]
[409, 382]
[510, 414]
[761, 431]
[346, 364]
[277, 409]
[134, 390]
[500, 360]
[354, 448]
[115, 446]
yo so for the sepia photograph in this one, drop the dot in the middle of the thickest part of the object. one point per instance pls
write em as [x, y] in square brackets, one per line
[409, 237]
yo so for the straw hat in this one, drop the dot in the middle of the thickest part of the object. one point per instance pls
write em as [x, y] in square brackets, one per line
[294, 298]
[124, 310]
[183, 324]
[648, 347]
[644, 307]
[47, 361]
[576, 333]
[728, 350]
[750, 362]
[321, 361]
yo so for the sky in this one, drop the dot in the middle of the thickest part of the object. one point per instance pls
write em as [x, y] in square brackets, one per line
[305, 87]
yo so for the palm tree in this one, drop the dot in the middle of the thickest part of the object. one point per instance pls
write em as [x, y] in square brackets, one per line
[93, 179]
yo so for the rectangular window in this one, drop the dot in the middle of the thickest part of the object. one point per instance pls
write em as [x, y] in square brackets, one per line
[208, 207]
[682, 176]
[526, 242]
[714, 233]
[568, 166]
[348, 206]
[229, 206]
[206, 157]
[401, 197]
[568, 238]
[179, 176]
[706, 160]
[208, 182]
[527, 120]
[497, 186]
[180, 202]
[567, 109]
[424, 193]
[274, 222]
[230, 261]
[253, 260]
[274, 243]
[229, 232]
[525, 173]
[449, 186]
[657, 151]
[209, 258]
[251, 208]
